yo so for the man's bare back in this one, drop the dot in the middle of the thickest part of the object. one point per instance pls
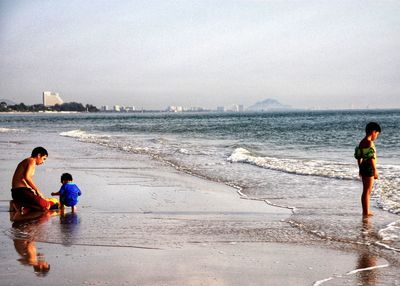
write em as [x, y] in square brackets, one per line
[18, 180]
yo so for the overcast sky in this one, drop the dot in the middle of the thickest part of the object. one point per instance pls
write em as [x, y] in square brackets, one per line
[150, 54]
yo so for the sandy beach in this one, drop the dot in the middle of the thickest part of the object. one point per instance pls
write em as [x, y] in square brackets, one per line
[140, 222]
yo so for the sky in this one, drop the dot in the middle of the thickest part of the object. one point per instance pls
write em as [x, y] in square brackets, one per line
[155, 53]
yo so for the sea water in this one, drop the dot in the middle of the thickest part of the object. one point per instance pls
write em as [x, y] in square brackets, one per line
[298, 160]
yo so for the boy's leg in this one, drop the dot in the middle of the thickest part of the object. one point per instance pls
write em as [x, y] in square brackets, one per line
[368, 183]
[73, 209]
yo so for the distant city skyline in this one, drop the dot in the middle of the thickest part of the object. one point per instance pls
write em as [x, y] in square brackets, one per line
[153, 54]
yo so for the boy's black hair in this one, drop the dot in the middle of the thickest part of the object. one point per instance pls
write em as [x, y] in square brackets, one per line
[39, 150]
[372, 126]
[66, 177]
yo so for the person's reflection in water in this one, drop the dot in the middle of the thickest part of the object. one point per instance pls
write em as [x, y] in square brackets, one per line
[366, 259]
[25, 228]
[69, 227]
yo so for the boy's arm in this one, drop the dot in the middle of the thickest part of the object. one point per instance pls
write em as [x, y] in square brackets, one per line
[60, 192]
[373, 163]
[30, 170]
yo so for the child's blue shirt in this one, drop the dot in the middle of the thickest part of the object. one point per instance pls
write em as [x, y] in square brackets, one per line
[69, 194]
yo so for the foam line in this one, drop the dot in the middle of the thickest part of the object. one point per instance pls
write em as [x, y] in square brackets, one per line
[387, 246]
[367, 269]
[320, 282]
[246, 197]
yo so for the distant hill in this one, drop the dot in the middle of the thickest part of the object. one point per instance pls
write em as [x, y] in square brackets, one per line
[9, 102]
[268, 104]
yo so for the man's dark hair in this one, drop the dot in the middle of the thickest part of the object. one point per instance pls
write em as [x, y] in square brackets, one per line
[39, 150]
[66, 177]
[372, 126]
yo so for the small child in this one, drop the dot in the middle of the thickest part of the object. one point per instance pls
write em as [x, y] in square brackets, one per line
[365, 154]
[69, 192]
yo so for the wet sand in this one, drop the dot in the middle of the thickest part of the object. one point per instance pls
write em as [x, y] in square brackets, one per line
[143, 223]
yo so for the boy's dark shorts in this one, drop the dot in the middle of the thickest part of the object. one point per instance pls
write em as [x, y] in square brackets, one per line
[27, 198]
[366, 170]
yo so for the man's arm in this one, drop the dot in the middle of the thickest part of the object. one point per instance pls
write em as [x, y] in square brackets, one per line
[30, 170]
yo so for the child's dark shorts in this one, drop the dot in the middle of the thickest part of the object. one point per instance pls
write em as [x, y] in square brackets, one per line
[366, 170]
[27, 198]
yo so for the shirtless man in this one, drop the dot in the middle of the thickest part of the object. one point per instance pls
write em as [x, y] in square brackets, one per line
[24, 191]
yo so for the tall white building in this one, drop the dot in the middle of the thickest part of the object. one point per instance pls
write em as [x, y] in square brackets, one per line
[51, 98]
[104, 108]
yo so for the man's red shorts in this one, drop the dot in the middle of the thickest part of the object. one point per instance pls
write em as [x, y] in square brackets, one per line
[27, 198]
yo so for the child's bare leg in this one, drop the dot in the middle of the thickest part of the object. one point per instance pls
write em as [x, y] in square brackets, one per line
[368, 183]
[73, 209]
[61, 208]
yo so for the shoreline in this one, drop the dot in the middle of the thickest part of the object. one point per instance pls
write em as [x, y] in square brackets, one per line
[204, 232]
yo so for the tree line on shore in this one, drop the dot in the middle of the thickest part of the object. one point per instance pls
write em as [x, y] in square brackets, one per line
[68, 106]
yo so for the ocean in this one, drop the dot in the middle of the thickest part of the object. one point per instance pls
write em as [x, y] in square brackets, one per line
[302, 161]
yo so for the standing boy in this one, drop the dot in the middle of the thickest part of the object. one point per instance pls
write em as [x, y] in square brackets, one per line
[24, 191]
[365, 154]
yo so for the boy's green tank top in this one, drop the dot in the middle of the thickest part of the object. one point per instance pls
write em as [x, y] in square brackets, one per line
[364, 153]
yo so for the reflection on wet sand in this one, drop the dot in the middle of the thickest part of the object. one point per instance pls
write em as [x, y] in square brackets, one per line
[366, 259]
[69, 223]
[25, 228]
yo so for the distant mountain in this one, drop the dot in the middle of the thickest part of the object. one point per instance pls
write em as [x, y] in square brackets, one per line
[268, 104]
[9, 102]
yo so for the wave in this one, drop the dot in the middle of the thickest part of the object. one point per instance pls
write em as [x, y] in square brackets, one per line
[294, 166]
[10, 130]
[104, 140]
[80, 134]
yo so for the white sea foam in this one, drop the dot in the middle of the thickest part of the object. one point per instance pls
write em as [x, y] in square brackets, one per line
[184, 151]
[73, 133]
[387, 191]
[391, 232]
[107, 140]
[295, 166]
[9, 130]
[86, 137]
